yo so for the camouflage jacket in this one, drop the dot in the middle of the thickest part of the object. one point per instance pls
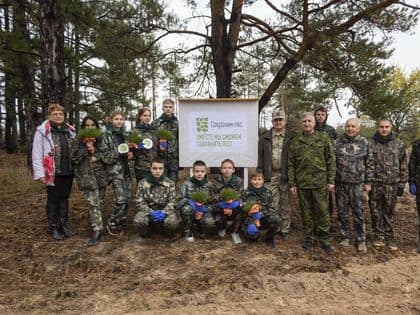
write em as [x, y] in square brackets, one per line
[192, 185]
[390, 161]
[143, 157]
[414, 165]
[234, 182]
[354, 160]
[311, 161]
[89, 176]
[117, 164]
[156, 194]
[328, 129]
[263, 196]
[171, 124]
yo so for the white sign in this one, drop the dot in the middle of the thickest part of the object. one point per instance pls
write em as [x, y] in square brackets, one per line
[216, 129]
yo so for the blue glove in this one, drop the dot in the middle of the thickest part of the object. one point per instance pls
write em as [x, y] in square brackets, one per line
[232, 205]
[413, 189]
[196, 208]
[164, 145]
[140, 146]
[252, 229]
[256, 216]
[157, 216]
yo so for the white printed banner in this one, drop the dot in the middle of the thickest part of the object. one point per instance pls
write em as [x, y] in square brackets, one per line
[213, 130]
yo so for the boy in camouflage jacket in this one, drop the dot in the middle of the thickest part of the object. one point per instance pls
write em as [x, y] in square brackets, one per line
[156, 201]
[192, 213]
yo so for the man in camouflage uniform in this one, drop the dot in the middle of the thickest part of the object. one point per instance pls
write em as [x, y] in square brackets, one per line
[273, 148]
[156, 201]
[191, 216]
[389, 177]
[414, 180]
[321, 116]
[170, 154]
[354, 162]
[311, 169]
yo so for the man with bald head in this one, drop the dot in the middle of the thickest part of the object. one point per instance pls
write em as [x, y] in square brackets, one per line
[354, 161]
[311, 170]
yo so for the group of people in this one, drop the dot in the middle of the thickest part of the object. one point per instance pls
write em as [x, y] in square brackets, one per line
[313, 165]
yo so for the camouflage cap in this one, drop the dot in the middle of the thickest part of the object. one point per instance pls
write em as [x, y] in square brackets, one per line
[278, 114]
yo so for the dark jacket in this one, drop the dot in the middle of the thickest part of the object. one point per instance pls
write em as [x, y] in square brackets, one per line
[328, 129]
[265, 154]
[414, 165]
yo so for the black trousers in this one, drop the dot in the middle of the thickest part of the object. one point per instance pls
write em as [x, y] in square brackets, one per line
[58, 201]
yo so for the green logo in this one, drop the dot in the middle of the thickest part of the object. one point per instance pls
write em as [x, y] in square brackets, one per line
[202, 124]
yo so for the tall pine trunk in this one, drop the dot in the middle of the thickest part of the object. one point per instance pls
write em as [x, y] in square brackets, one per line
[52, 48]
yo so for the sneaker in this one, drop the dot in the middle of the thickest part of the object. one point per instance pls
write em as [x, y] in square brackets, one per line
[112, 230]
[391, 245]
[222, 233]
[378, 243]
[307, 245]
[236, 238]
[345, 242]
[361, 247]
[189, 237]
[327, 249]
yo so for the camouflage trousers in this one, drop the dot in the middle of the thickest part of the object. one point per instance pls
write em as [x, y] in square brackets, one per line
[172, 169]
[189, 221]
[382, 202]
[315, 216]
[122, 195]
[143, 224]
[281, 202]
[95, 198]
[418, 212]
[350, 196]
[269, 222]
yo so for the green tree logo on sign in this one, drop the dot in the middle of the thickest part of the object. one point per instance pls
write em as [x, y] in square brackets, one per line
[202, 124]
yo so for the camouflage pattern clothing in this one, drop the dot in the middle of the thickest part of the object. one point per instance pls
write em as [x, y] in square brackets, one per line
[92, 178]
[389, 172]
[281, 202]
[414, 178]
[187, 188]
[311, 167]
[118, 174]
[156, 194]
[143, 157]
[223, 221]
[171, 154]
[270, 220]
[329, 130]
[354, 161]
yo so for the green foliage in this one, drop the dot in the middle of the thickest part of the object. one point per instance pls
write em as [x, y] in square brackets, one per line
[85, 133]
[248, 205]
[200, 196]
[228, 194]
[164, 134]
[134, 137]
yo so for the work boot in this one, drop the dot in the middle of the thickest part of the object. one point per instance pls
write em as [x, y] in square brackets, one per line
[66, 231]
[345, 242]
[392, 246]
[307, 245]
[270, 242]
[327, 249]
[57, 235]
[378, 243]
[95, 238]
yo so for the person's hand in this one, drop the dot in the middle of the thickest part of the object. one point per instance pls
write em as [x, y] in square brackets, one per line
[367, 188]
[43, 180]
[413, 189]
[90, 147]
[227, 212]
[293, 191]
[330, 188]
[198, 215]
[130, 155]
[254, 209]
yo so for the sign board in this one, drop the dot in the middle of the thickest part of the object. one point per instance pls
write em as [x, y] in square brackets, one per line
[215, 129]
